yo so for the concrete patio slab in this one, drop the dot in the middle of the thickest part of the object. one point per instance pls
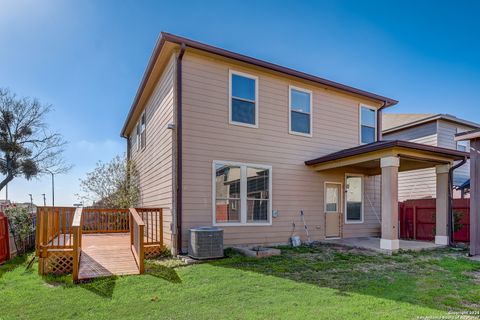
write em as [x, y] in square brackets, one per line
[373, 244]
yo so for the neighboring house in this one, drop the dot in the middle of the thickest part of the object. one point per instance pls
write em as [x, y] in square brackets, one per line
[219, 138]
[432, 129]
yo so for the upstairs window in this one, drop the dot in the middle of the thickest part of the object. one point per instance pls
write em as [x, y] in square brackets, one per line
[137, 134]
[243, 99]
[464, 144]
[241, 193]
[300, 108]
[368, 124]
[141, 133]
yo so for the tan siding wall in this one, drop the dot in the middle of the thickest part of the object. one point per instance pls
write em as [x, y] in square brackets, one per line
[155, 163]
[208, 136]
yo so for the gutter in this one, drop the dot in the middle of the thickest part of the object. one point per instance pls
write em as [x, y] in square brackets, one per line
[450, 201]
[179, 172]
[379, 121]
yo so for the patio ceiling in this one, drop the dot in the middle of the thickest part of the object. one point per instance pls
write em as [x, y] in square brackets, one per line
[366, 158]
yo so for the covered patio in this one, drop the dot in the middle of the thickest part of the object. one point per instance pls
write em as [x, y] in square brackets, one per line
[387, 159]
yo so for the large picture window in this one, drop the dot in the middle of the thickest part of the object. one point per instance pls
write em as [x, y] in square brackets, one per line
[368, 124]
[243, 99]
[300, 108]
[242, 193]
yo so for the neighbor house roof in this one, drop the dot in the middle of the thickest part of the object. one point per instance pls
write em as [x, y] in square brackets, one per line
[188, 43]
[472, 134]
[397, 121]
[386, 144]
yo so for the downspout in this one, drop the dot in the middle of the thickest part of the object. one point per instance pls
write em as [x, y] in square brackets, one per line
[179, 149]
[450, 201]
[379, 121]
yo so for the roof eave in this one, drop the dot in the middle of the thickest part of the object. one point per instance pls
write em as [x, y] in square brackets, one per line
[164, 37]
[381, 145]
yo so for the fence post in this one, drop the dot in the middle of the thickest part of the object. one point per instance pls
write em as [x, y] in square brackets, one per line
[414, 222]
[141, 231]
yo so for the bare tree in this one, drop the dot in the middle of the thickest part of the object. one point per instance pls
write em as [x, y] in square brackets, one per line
[28, 148]
[111, 185]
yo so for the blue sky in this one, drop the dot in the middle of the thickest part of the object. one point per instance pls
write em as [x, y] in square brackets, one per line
[86, 58]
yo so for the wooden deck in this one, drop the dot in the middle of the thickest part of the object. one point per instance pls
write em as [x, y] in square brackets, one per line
[106, 254]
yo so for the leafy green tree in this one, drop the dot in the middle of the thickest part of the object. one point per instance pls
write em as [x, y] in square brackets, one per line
[111, 185]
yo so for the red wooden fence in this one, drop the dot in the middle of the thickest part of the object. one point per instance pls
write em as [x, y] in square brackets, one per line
[4, 242]
[417, 219]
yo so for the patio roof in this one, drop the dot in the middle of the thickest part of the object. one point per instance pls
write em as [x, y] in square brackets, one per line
[367, 157]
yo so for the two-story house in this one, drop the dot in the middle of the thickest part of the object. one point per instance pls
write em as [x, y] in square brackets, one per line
[432, 129]
[219, 138]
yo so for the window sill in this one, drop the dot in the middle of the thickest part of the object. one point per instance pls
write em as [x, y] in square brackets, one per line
[308, 135]
[239, 224]
[353, 222]
[241, 124]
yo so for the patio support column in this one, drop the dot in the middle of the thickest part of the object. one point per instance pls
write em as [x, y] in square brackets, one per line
[389, 240]
[441, 232]
[475, 197]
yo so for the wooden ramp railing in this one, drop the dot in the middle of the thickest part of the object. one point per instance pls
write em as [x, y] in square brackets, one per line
[137, 238]
[60, 230]
[77, 242]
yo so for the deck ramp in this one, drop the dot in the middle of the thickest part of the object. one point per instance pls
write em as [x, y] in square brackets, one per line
[106, 254]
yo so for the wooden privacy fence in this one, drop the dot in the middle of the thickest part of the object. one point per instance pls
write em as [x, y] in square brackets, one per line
[60, 229]
[4, 240]
[417, 219]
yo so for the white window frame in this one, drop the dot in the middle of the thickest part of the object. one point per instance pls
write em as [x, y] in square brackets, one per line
[360, 122]
[362, 213]
[143, 129]
[137, 135]
[290, 111]
[243, 194]
[340, 197]
[246, 75]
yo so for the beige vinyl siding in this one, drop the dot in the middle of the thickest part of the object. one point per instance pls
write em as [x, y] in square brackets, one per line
[208, 136]
[155, 162]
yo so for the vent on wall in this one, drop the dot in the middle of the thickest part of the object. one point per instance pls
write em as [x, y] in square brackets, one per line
[206, 243]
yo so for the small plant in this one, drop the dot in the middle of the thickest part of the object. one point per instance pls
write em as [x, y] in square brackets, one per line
[457, 220]
[20, 223]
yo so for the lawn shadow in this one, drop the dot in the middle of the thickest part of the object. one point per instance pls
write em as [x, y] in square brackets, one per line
[422, 278]
[14, 263]
[102, 287]
[162, 272]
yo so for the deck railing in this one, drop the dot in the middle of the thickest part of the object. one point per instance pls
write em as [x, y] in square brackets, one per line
[59, 234]
[54, 241]
[101, 220]
[77, 242]
[137, 232]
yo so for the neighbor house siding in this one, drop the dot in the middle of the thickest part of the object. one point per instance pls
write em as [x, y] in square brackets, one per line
[418, 184]
[208, 136]
[154, 163]
[446, 139]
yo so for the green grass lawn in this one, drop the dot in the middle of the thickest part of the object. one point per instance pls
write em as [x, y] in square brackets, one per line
[308, 282]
